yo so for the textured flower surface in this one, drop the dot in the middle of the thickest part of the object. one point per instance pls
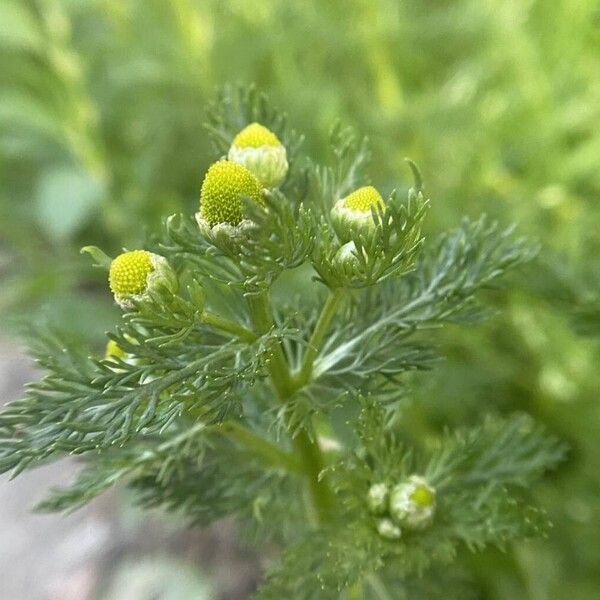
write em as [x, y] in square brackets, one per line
[133, 273]
[254, 136]
[225, 185]
[363, 199]
[351, 216]
[129, 272]
[260, 151]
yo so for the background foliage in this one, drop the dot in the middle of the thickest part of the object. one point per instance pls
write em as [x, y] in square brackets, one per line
[101, 110]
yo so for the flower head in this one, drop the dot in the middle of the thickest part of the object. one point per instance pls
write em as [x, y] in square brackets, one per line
[377, 498]
[260, 151]
[129, 272]
[225, 185]
[255, 135]
[412, 503]
[362, 199]
[133, 273]
[386, 528]
[351, 216]
[347, 258]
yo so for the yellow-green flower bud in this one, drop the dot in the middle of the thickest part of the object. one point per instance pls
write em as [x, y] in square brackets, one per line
[347, 257]
[387, 529]
[377, 498]
[412, 503]
[133, 274]
[225, 186]
[351, 216]
[260, 151]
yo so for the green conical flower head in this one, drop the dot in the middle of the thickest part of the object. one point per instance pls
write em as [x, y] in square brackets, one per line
[260, 151]
[133, 273]
[129, 272]
[225, 185]
[351, 216]
[255, 135]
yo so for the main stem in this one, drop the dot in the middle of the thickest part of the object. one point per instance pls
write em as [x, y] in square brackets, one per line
[286, 386]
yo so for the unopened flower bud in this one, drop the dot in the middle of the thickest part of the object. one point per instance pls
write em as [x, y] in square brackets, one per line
[133, 274]
[347, 257]
[387, 529]
[260, 151]
[377, 498]
[352, 216]
[412, 503]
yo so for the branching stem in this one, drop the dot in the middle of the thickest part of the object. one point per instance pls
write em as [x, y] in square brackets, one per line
[286, 386]
[269, 453]
[231, 327]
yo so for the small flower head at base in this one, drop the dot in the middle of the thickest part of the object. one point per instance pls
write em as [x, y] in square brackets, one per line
[352, 216]
[377, 498]
[347, 258]
[224, 188]
[260, 151]
[133, 274]
[387, 529]
[412, 503]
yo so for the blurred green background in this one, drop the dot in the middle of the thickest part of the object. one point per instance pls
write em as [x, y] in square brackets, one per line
[498, 101]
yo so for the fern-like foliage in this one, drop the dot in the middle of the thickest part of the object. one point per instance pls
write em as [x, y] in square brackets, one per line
[222, 402]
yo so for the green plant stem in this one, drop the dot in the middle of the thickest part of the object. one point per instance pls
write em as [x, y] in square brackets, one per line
[312, 458]
[356, 591]
[269, 453]
[315, 344]
[285, 386]
[276, 363]
[378, 586]
[226, 325]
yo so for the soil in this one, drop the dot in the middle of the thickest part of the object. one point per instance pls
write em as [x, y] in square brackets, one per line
[78, 556]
